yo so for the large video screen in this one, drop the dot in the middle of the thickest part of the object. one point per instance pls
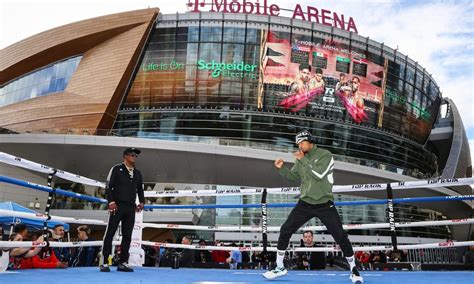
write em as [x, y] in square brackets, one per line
[322, 79]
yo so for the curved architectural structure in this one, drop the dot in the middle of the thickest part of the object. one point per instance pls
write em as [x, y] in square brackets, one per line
[106, 50]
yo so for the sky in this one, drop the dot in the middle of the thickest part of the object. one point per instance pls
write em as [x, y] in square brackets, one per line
[439, 35]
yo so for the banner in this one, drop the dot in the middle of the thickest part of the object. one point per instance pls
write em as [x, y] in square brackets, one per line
[322, 78]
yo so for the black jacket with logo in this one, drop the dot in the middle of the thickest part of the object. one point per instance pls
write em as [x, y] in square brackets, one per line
[316, 260]
[122, 188]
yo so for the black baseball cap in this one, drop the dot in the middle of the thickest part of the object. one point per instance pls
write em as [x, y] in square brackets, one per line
[131, 150]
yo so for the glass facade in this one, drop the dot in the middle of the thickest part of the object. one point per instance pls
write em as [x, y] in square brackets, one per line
[256, 84]
[41, 82]
[349, 143]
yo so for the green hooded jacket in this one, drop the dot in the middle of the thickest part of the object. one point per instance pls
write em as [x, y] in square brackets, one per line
[315, 170]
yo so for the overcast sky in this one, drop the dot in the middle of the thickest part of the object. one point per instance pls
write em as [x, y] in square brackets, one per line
[437, 34]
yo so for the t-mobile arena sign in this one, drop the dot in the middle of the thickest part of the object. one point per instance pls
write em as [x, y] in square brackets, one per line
[262, 7]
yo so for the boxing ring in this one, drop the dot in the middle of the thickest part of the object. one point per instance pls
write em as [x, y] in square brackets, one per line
[189, 275]
[149, 275]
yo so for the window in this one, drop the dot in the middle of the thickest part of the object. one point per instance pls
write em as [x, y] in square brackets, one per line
[44, 81]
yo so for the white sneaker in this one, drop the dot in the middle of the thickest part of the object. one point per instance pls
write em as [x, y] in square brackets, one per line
[275, 273]
[355, 276]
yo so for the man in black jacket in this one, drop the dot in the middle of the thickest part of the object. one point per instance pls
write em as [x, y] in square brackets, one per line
[310, 260]
[84, 256]
[124, 182]
[202, 256]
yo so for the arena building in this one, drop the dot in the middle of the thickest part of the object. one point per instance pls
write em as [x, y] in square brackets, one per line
[213, 97]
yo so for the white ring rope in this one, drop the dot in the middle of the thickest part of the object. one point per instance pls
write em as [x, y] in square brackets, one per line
[70, 220]
[320, 249]
[20, 162]
[448, 244]
[28, 244]
[295, 190]
[312, 228]
[26, 164]
[42, 217]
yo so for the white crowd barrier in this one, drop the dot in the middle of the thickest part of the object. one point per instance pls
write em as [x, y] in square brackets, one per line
[26, 164]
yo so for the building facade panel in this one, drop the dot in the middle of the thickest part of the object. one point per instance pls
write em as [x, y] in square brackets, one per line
[109, 49]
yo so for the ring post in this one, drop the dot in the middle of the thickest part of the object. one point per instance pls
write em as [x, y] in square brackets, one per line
[391, 216]
[264, 219]
[137, 254]
[51, 195]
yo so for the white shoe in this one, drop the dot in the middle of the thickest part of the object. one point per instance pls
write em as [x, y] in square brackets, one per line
[275, 273]
[355, 276]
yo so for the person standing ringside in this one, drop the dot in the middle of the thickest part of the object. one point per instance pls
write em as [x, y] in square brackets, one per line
[124, 182]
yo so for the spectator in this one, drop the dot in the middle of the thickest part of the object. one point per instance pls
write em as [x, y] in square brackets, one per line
[395, 256]
[100, 193]
[18, 254]
[150, 256]
[219, 256]
[166, 255]
[186, 257]
[202, 256]
[358, 255]
[365, 258]
[84, 256]
[63, 254]
[235, 257]
[378, 257]
[404, 255]
[256, 257]
[44, 259]
[245, 254]
[22, 230]
[310, 260]
[268, 258]
[469, 256]
[60, 202]
[77, 203]
[36, 234]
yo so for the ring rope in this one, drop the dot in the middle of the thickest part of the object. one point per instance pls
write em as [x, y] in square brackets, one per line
[26, 164]
[338, 203]
[433, 183]
[447, 244]
[239, 228]
[278, 205]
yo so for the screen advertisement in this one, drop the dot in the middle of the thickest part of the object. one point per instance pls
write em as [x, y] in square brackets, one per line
[321, 77]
